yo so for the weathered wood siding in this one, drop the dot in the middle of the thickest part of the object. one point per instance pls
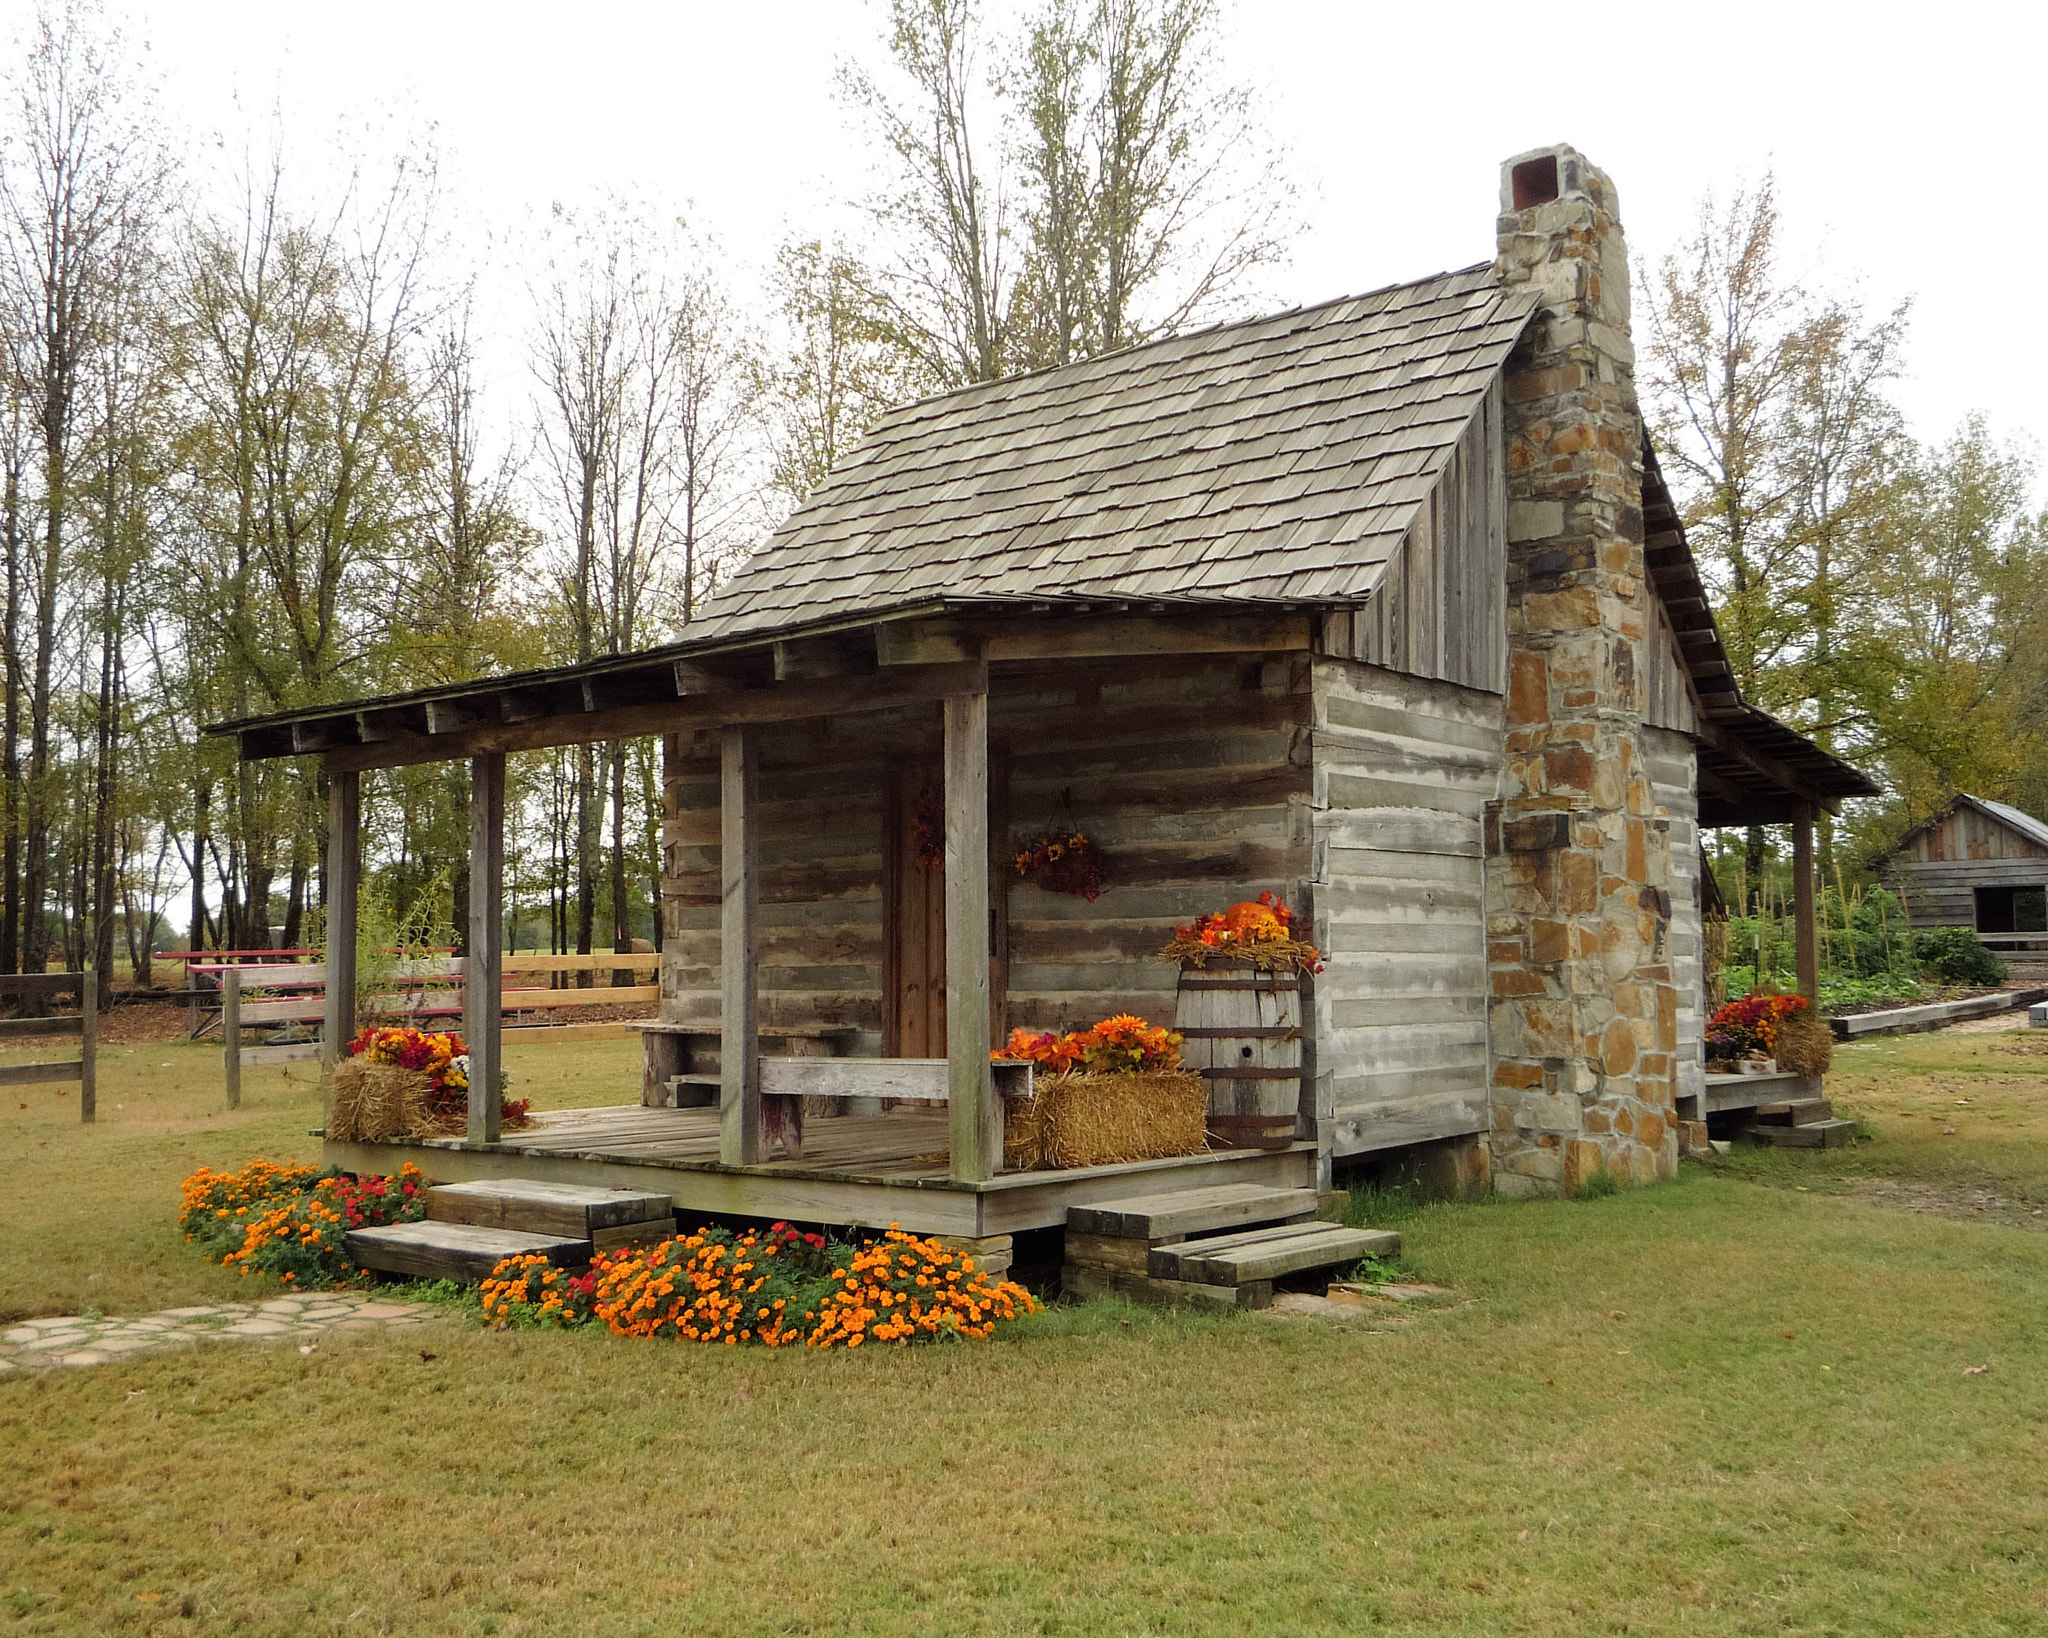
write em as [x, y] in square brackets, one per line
[1403, 770]
[1441, 607]
[1668, 699]
[1191, 774]
[1674, 788]
[1943, 893]
[1939, 868]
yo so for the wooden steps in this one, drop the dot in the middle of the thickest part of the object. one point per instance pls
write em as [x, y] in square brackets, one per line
[1808, 1112]
[1268, 1253]
[1820, 1134]
[1193, 1211]
[455, 1251]
[471, 1227]
[1166, 1248]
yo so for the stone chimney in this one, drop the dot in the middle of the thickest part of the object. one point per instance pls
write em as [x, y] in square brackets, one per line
[1583, 1017]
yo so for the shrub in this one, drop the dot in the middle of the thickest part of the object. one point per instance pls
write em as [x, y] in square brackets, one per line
[1955, 955]
[288, 1221]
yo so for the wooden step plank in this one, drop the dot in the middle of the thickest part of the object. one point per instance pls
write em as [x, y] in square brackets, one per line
[569, 1210]
[1192, 1211]
[1275, 1233]
[455, 1251]
[1078, 1280]
[1824, 1134]
[1280, 1253]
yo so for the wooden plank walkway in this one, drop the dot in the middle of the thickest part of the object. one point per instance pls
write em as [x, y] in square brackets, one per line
[896, 1143]
[870, 1170]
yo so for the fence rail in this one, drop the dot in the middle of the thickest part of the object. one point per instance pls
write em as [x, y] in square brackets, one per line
[294, 992]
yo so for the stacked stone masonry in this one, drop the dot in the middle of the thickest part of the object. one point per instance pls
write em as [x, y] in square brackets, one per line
[1584, 1013]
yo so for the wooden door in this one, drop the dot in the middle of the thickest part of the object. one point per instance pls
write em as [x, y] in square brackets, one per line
[914, 908]
[914, 1010]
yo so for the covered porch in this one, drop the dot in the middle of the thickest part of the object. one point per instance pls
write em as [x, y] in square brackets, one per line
[911, 1140]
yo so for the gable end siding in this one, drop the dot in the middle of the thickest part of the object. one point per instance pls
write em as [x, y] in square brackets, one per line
[1440, 611]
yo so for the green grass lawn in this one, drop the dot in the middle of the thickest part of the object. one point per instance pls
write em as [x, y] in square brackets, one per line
[1741, 1403]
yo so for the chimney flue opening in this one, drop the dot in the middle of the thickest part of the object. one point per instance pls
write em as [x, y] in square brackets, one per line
[1535, 181]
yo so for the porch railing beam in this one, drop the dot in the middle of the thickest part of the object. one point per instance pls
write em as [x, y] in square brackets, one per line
[483, 967]
[974, 1117]
[740, 1138]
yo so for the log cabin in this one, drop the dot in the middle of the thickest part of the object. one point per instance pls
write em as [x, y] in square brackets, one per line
[1381, 606]
[1977, 864]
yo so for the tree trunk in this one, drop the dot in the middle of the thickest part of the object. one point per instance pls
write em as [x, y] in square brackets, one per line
[1754, 851]
[35, 943]
[195, 932]
[10, 737]
[587, 821]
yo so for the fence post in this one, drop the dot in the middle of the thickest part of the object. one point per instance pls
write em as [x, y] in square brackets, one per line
[88, 1044]
[231, 1033]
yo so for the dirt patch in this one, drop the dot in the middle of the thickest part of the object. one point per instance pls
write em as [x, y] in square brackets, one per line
[126, 1023]
[1967, 1203]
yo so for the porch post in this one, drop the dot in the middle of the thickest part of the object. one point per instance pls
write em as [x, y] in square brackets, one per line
[344, 865]
[974, 1118]
[740, 1138]
[1806, 953]
[483, 967]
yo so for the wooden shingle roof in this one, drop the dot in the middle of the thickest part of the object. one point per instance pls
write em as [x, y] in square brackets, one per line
[1278, 459]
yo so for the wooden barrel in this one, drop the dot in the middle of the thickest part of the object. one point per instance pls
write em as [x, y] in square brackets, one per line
[1241, 1031]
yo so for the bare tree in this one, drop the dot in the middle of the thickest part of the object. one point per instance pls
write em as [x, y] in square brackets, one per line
[1139, 188]
[78, 175]
[946, 216]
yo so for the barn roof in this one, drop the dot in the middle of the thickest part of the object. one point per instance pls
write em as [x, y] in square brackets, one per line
[1277, 459]
[2025, 824]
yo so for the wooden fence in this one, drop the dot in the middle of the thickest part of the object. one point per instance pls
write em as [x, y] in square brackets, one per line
[290, 993]
[84, 1024]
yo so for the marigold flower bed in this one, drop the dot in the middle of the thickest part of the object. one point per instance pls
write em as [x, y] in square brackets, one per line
[775, 1287]
[289, 1221]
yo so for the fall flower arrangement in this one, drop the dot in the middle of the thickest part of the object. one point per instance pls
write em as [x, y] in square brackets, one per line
[1112, 1092]
[1749, 1028]
[1259, 930]
[408, 1082]
[288, 1221]
[777, 1288]
[1124, 1045]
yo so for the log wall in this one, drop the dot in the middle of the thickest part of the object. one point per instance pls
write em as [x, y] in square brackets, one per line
[1404, 769]
[1191, 774]
[1674, 789]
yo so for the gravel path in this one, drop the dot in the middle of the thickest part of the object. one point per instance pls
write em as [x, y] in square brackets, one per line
[90, 1339]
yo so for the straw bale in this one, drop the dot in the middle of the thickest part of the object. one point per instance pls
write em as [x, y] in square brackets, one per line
[1101, 1120]
[1806, 1046]
[376, 1101]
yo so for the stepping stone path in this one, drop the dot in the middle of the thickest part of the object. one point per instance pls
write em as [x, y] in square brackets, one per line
[79, 1339]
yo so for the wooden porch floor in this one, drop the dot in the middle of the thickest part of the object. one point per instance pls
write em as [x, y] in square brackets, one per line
[866, 1170]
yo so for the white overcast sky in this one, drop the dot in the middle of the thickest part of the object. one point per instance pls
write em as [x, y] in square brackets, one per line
[1906, 142]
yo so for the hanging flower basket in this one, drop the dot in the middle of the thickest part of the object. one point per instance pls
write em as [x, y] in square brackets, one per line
[1260, 931]
[1062, 858]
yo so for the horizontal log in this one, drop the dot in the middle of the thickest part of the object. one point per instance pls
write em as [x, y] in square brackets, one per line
[26, 984]
[294, 1052]
[72, 1024]
[783, 702]
[28, 1074]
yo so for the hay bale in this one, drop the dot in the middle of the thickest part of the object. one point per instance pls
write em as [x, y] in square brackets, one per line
[1102, 1120]
[374, 1102]
[1806, 1046]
